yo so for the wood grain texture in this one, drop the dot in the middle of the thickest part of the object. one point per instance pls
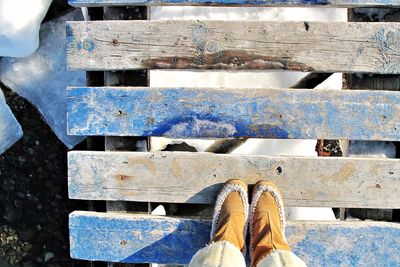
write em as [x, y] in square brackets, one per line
[183, 177]
[375, 82]
[235, 45]
[202, 112]
[165, 240]
[308, 3]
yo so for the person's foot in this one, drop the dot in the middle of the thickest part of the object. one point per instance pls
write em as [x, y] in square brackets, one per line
[231, 214]
[267, 221]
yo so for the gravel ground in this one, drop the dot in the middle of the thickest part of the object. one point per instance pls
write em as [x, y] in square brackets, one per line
[34, 204]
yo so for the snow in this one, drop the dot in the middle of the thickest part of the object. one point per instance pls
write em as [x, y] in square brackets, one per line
[249, 13]
[42, 77]
[19, 26]
[10, 130]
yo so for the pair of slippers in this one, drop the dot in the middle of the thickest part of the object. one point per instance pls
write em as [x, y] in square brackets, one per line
[236, 185]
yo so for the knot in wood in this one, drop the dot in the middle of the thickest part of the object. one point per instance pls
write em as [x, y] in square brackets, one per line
[213, 46]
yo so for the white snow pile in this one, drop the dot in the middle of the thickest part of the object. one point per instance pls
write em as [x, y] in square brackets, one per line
[10, 130]
[19, 26]
[42, 77]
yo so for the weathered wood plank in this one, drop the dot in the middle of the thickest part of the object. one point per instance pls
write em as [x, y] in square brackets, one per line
[376, 82]
[183, 177]
[308, 3]
[235, 45]
[202, 112]
[144, 238]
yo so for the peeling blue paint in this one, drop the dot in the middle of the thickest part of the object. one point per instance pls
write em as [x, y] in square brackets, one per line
[357, 246]
[164, 240]
[87, 45]
[268, 113]
[70, 38]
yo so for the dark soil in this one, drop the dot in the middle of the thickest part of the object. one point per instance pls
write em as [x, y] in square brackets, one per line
[34, 204]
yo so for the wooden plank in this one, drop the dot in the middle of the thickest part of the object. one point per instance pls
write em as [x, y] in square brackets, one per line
[235, 45]
[144, 238]
[227, 145]
[119, 78]
[376, 82]
[204, 112]
[183, 177]
[268, 3]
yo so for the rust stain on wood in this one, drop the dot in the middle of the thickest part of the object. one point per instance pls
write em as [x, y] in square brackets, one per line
[176, 168]
[121, 177]
[343, 174]
[225, 59]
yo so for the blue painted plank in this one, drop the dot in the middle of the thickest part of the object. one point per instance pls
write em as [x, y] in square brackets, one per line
[309, 3]
[144, 238]
[267, 113]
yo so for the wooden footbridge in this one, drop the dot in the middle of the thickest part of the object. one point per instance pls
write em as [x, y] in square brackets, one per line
[122, 107]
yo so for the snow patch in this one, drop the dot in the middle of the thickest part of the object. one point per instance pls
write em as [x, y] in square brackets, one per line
[249, 13]
[42, 77]
[19, 26]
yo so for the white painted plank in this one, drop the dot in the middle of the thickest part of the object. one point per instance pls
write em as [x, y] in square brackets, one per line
[235, 45]
[197, 177]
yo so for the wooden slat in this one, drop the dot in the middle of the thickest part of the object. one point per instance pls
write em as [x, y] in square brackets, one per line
[235, 45]
[201, 112]
[144, 238]
[183, 177]
[308, 3]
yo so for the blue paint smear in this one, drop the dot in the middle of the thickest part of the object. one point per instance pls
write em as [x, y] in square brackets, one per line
[191, 130]
[70, 35]
[87, 45]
